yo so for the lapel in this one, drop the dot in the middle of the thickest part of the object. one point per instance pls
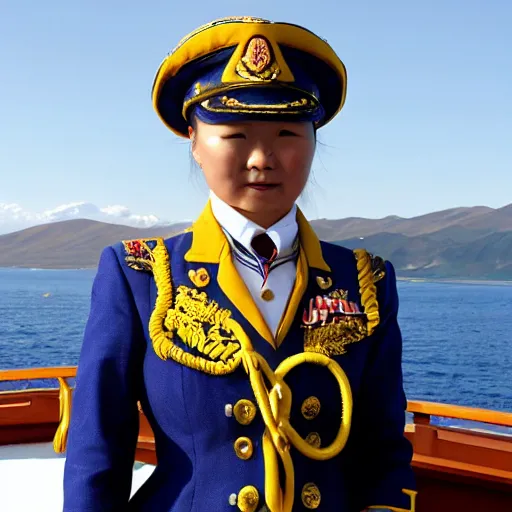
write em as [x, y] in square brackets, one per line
[310, 257]
[209, 245]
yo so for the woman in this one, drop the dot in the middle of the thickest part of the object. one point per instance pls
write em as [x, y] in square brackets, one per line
[267, 363]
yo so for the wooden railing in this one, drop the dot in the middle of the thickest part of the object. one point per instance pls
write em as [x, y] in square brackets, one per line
[61, 374]
[38, 373]
[422, 411]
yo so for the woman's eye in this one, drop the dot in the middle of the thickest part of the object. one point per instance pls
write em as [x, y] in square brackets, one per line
[234, 136]
[287, 133]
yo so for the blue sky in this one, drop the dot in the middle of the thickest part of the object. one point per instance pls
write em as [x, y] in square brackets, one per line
[427, 124]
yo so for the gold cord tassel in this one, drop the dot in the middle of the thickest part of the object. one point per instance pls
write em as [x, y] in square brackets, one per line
[61, 435]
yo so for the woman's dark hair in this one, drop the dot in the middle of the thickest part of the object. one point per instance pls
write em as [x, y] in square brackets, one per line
[192, 121]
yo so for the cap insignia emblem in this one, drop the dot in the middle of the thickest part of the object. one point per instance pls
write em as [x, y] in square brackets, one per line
[258, 62]
[257, 56]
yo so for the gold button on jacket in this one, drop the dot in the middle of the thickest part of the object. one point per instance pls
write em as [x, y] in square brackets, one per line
[244, 411]
[248, 499]
[243, 448]
[310, 407]
[311, 496]
[313, 438]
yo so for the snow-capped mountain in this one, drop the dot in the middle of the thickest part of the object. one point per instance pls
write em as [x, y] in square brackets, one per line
[14, 217]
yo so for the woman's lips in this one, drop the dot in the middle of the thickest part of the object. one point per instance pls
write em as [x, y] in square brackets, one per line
[262, 187]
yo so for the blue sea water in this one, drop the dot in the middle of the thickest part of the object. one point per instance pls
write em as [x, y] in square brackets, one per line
[457, 344]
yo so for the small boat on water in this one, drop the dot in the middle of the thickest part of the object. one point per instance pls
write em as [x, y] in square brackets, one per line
[462, 455]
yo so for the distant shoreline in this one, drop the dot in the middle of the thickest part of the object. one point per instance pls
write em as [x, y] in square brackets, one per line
[440, 280]
[455, 280]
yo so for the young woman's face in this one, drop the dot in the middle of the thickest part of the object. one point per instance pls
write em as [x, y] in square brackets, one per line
[258, 168]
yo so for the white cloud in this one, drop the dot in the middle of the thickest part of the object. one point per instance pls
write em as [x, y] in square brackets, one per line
[13, 212]
[117, 210]
[14, 217]
[122, 212]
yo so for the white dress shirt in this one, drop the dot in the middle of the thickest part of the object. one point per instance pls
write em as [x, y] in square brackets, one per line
[281, 278]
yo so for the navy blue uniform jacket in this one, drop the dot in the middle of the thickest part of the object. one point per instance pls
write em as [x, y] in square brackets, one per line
[165, 325]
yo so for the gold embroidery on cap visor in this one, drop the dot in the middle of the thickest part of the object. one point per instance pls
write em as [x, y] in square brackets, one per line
[233, 105]
[204, 97]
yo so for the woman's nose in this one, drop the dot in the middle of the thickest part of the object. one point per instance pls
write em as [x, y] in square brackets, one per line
[261, 158]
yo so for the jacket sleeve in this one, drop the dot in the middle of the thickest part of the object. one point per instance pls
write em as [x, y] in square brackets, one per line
[104, 420]
[382, 451]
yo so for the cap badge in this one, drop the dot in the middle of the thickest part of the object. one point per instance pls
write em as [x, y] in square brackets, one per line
[258, 61]
[257, 57]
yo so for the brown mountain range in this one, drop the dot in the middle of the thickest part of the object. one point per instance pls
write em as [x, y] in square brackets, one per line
[473, 243]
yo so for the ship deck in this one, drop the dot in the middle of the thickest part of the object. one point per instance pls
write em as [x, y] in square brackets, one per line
[32, 476]
[462, 455]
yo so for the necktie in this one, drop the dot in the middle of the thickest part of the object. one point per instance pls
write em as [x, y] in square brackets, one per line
[266, 251]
